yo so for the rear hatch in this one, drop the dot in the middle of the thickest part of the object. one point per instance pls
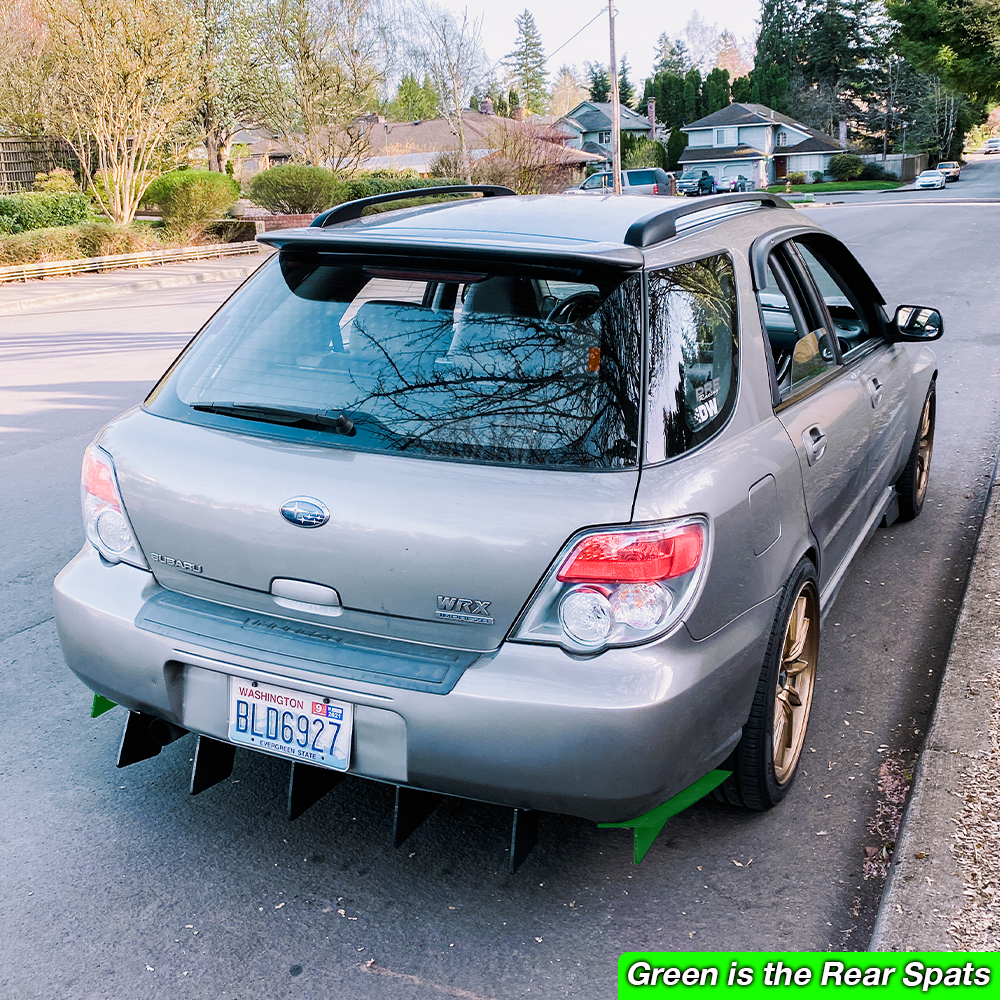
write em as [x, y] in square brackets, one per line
[449, 428]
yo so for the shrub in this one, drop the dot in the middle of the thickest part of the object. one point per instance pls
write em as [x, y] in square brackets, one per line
[57, 179]
[846, 166]
[818, 176]
[295, 189]
[875, 172]
[189, 199]
[797, 176]
[40, 209]
[645, 152]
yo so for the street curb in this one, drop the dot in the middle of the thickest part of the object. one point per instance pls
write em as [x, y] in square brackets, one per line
[113, 291]
[925, 891]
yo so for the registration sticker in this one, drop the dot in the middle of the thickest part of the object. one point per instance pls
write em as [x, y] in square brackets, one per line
[291, 723]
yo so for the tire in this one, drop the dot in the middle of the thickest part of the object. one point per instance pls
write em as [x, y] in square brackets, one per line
[911, 488]
[762, 777]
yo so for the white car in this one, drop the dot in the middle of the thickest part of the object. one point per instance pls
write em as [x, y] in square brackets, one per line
[931, 179]
[992, 145]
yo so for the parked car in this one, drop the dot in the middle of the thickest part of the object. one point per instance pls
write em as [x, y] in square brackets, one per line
[696, 182]
[737, 183]
[641, 180]
[992, 144]
[951, 169]
[930, 179]
[507, 498]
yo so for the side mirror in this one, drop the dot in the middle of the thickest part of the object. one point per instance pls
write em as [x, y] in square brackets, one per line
[918, 323]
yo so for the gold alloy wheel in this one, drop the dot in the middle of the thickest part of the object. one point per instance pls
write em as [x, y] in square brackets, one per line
[796, 678]
[925, 447]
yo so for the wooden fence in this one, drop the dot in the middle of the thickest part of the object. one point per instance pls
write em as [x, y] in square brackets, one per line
[21, 157]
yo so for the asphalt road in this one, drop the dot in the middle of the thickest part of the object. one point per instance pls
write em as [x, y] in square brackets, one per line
[119, 884]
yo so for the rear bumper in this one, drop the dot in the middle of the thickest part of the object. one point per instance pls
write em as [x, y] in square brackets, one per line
[605, 738]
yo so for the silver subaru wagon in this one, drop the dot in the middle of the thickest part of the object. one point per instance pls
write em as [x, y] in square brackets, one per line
[533, 500]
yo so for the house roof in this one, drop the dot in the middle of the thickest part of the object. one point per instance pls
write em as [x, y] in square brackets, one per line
[704, 154]
[759, 114]
[595, 116]
[811, 145]
[417, 144]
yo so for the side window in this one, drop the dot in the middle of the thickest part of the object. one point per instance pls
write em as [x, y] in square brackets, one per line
[801, 348]
[693, 347]
[855, 319]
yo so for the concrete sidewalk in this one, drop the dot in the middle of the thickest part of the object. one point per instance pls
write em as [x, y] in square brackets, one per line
[941, 894]
[22, 296]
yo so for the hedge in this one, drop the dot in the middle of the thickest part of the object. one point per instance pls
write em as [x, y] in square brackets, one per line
[40, 209]
[298, 189]
[92, 239]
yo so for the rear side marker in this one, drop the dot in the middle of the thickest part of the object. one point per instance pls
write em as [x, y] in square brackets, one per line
[213, 762]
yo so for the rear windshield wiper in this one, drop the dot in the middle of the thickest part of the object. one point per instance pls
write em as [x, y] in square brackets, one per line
[327, 420]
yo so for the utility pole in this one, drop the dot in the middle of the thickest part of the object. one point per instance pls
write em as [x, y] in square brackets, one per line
[616, 125]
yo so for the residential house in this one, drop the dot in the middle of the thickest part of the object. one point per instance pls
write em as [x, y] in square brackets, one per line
[588, 126]
[418, 145]
[762, 145]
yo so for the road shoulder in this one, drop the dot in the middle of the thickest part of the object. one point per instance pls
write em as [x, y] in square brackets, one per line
[926, 889]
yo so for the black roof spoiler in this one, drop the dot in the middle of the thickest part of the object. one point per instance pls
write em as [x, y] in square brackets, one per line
[351, 210]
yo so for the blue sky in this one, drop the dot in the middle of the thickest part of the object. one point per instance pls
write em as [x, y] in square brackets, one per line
[637, 26]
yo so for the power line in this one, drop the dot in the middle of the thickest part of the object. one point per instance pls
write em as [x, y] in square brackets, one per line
[580, 32]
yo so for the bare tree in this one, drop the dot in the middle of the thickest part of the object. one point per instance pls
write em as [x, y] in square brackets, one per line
[452, 53]
[114, 78]
[229, 64]
[24, 69]
[567, 91]
[323, 77]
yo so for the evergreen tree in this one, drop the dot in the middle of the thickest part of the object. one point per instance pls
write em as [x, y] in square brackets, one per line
[513, 103]
[626, 92]
[673, 56]
[715, 93]
[527, 64]
[741, 90]
[598, 83]
[413, 101]
[692, 96]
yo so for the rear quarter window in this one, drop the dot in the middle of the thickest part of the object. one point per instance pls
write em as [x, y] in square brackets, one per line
[692, 360]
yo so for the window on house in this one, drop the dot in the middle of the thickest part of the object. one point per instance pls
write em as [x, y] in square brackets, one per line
[604, 137]
[725, 137]
[782, 139]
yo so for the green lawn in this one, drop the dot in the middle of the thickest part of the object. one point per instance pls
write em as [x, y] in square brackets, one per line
[837, 186]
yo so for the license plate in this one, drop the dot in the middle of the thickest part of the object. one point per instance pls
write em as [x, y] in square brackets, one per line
[305, 727]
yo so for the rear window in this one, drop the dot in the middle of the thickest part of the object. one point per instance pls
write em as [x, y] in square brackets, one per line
[641, 177]
[471, 361]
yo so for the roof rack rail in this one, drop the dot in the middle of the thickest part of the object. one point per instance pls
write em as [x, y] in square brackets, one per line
[350, 210]
[662, 225]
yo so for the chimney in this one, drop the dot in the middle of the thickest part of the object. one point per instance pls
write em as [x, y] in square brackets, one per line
[486, 105]
[843, 135]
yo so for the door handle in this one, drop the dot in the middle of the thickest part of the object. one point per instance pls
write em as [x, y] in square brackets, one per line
[814, 442]
[875, 388]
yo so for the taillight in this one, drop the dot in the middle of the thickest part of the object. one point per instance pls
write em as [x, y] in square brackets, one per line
[104, 517]
[621, 587]
[656, 188]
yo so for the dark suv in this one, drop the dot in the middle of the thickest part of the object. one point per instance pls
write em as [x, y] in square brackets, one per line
[524, 499]
[696, 182]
